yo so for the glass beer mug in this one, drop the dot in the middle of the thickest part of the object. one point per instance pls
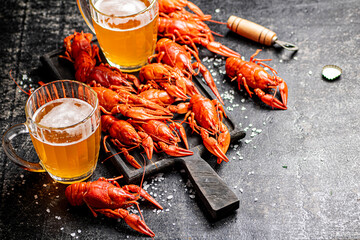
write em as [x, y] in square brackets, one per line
[126, 29]
[63, 120]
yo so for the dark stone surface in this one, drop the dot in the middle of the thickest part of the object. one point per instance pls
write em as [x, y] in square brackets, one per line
[297, 179]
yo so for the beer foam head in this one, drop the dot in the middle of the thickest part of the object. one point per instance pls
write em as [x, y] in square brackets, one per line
[66, 114]
[120, 7]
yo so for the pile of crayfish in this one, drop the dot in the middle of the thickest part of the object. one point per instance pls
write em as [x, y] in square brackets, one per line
[138, 112]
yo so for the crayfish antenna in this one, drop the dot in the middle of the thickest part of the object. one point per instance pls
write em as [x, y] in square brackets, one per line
[28, 93]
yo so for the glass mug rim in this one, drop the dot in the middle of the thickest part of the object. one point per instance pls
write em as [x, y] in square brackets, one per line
[123, 16]
[30, 116]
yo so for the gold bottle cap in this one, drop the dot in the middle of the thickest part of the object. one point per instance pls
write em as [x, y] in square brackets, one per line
[331, 72]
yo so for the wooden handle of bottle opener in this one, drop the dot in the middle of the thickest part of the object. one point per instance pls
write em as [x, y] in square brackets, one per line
[251, 30]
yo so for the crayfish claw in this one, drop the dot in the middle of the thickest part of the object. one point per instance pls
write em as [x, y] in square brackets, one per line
[283, 92]
[130, 159]
[136, 189]
[213, 146]
[174, 151]
[270, 99]
[134, 221]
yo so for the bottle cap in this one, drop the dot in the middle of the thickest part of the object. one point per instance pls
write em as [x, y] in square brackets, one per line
[331, 72]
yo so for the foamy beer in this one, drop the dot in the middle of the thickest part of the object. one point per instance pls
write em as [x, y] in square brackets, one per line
[126, 30]
[63, 120]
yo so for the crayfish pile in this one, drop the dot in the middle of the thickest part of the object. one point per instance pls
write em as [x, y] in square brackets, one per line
[139, 111]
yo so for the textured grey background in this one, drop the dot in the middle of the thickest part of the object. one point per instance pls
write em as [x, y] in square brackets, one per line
[317, 138]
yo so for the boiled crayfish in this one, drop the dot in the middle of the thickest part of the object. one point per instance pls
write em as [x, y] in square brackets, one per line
[113, 103]
[105, 196]
[166, 137]
[205, 117]
[80, 51]
[252, 75]
[192, 32]
[179, 57]
[125, 137]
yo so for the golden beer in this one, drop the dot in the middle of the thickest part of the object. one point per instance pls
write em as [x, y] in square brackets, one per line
[69, 150]
[126, 31]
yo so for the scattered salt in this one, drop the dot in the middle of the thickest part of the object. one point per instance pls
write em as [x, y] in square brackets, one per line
[217, 10]
[170, 197]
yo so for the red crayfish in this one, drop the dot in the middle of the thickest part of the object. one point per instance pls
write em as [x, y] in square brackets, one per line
[113, 103]
[125, 137]
[205, 117]
[178, 56]
[80, 51]
[192, 32]
[165, 136]
[176, 9]
[252, 75]
[105, 196]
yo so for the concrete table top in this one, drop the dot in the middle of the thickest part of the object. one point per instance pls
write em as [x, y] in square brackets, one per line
[296, 172]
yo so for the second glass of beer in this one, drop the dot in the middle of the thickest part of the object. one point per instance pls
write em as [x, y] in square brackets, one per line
[126, 30]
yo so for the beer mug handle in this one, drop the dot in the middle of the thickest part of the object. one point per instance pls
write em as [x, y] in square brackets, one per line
[84, 8]
[10, 151]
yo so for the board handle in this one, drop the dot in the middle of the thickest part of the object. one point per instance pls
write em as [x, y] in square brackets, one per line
[219, 200]
[251, 30]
